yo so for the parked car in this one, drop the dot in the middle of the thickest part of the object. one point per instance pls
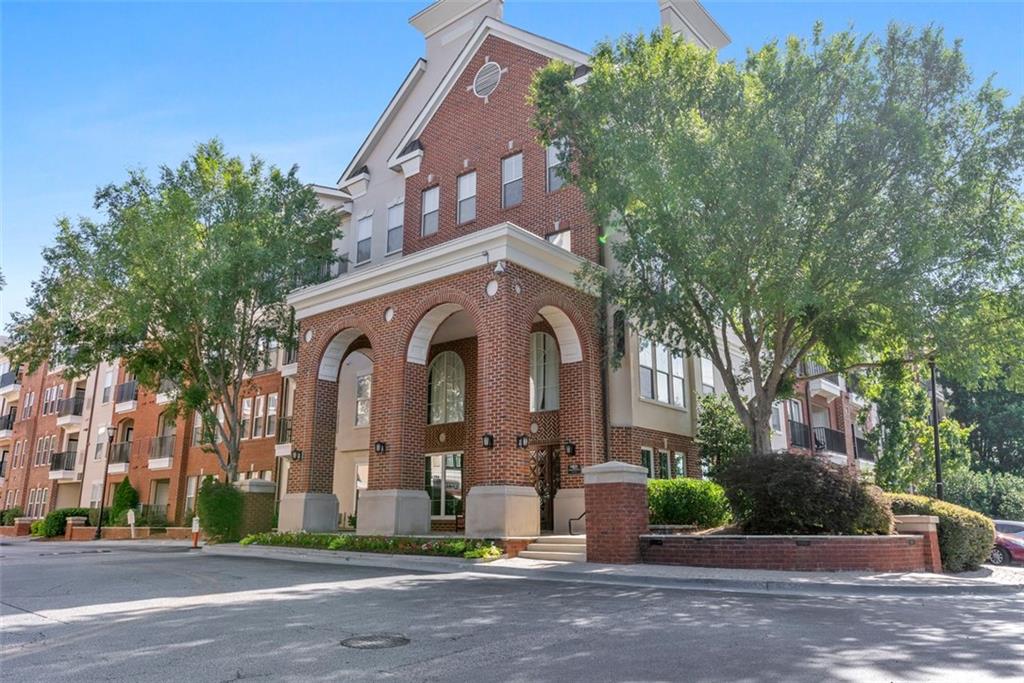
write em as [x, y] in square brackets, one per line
[1007, 527]
[1008, 548]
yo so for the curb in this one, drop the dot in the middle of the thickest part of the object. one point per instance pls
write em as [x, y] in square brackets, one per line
[456, 565]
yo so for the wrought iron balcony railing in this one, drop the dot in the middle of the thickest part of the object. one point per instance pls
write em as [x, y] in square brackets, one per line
[161, 447]
[128, 391]
[120, 452]
[799, 434]
[284, 430]
[72, 405]
[827, 439]
[863, 450]
[63, 462]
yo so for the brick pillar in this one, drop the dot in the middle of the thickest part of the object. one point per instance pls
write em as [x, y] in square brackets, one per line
[927, 526]
[257, 505]
[23, 526]
[617, 515]
[71, 523]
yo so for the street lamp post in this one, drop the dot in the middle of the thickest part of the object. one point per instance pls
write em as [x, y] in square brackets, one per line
[935, 432]
[111, 431]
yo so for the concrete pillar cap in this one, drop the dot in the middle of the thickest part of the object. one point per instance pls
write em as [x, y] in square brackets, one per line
[614, 472]
[255, 486]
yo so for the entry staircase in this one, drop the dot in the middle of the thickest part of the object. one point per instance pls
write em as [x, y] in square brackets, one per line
[557, 549]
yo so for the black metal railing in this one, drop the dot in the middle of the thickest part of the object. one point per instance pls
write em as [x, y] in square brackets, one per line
[7, 421]
[63, 462]
[863, 449]
[826, 439]
[9, 378]
[128, 391]
[799, 434]
[284, 430]
[72, 405]
[291, 354]
[3, 467]
[120, 452]
[161, 447]
[321, 270]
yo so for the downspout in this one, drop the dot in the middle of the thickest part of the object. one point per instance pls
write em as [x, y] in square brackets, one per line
[602, 318]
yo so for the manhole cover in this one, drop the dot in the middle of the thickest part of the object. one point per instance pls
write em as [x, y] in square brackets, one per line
[375, 641]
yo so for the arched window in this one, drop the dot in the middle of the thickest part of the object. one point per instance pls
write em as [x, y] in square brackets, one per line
[447, 389]
[544, 361]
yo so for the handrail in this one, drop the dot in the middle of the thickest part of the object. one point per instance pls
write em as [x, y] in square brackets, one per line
[576, 519]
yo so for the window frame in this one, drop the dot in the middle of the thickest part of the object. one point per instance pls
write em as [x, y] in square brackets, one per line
[361, 401]
[461, 200]
[399, 209]
[435, 213]
[451, 413]
[544, 358]
[258, 416]
[271, 430]
[444, 489]
[507, 182]
[647, 460]
[550, 167]
[657, 376]
[366, 221]
[664, 469]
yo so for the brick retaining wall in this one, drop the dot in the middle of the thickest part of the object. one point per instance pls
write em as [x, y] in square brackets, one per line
[123, 533]
[898, 553]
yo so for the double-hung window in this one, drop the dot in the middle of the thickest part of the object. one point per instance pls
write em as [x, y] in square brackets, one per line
[246, 422]
[679, 464]
[271, 414]
[257, 422]
[707, 376]
[663, 465]
[396, 218]
[445, 394]
[108, 385]
[443, 481]
[431, 204]
[512, 180]
[647, 461]
[544, 360]
[364, 239]
[467, 197]
[554, 164]
[662, 376]
[363, 387]
[191, 486]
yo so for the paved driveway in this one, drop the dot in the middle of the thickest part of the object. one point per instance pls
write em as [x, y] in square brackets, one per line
[137, 613]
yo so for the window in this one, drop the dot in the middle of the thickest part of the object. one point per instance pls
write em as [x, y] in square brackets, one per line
[44, 500]
[246, 421]
[663, 465]
[31, 503]
[363, 386]
[707, 375]
[257, 423]
[197, 428]
[446, 380]
[190, 494]
[267, 475]
[431, 205]
[647, 461]
[16, 459]
[26, 410]
[661, 374]
[97, 453]
[796, 410]
[396, 218]
[554, 163]
[40, 451]
[94, 494]
[562, 238]
[679, 464]
[777, 417]
[108, 385]
[544, 362]
[443, 479]
[364, 238]
[46, 400]
[467, 197]
[511, 180]
[271, 414]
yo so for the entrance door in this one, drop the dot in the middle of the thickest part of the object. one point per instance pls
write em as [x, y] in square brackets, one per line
[546, 470]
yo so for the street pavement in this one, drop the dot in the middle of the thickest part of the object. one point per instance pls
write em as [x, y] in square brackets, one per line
[85, 612]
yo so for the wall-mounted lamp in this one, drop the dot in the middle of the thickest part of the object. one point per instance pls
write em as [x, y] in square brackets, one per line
[570, 448]
[522, 441]
[296, 456]
[488, 440]
[380, 447]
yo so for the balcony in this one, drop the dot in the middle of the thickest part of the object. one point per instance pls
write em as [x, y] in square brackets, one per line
[6, 426]
[161, 452]
[289, 361]
[62, 466]
[3, 470]
[283, 447]
[10, 385]
[69, 412]
[167, 392]
[799, 434]
[830, 441]
[118, 458]
[825, 387]
[863, 450]
[319, 271]
[126, 397]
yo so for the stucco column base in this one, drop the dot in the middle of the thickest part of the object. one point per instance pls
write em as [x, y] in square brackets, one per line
[569, 504]
[502, 512]
[393, 512]
[308, 512]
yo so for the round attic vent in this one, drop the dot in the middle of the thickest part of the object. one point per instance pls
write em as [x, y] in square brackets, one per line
[486, 80]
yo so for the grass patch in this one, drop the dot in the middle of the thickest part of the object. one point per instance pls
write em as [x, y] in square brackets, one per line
[469, 548]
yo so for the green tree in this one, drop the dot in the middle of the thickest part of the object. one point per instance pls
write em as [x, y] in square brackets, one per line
[997, 414]
[125, 498]
[720, 436]
[184, 279]
[850, 200]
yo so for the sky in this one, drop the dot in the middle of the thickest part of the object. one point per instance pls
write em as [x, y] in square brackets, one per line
[90, 90]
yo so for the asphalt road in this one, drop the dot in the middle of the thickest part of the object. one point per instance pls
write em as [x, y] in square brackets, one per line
[73, 612]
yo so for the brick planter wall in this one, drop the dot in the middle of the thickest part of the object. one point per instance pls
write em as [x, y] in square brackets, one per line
[123, 533]
[899, 553]
[616, 505]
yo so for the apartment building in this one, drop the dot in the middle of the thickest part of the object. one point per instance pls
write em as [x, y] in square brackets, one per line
[451, 371]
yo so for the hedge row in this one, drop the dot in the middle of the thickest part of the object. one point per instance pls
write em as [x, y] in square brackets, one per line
[965, 536]
[693, 502]
[445, 547]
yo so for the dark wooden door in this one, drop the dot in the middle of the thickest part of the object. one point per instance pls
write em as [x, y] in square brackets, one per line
[546, 469]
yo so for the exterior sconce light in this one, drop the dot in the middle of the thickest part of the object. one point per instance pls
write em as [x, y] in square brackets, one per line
[522, 441]
[570, 448]
[296, 456]
[380, 447]
[488, 440]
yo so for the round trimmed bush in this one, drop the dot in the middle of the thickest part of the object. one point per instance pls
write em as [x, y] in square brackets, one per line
[56, 521]
[876, 517]
[965, 536]
[8, 516]
[687, 501]
[125, 498]
[219, 506]
[783, 493]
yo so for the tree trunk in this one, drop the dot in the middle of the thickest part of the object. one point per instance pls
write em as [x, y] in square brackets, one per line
[761, 433]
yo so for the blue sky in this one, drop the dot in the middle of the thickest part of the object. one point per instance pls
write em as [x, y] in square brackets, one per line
[92, 89]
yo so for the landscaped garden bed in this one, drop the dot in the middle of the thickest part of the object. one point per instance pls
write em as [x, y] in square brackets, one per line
[469, 548]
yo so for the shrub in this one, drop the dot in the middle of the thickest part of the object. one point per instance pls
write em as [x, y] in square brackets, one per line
[965, 536]
[125, 498]
[999, 495]
[219, 506]
[37, 528]
[7, 517]
[720, 435]
[56, 521]
[94, 515]
[687, 501]
[876, 517]
[783, 493]
[399, 545]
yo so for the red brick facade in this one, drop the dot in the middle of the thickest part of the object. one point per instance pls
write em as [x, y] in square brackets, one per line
[617, 516]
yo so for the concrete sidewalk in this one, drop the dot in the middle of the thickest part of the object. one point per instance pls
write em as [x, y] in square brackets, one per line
[988, 581]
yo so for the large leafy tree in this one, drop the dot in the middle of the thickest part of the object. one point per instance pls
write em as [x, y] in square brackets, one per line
[184, 279]
[848, 200]
[997, 441]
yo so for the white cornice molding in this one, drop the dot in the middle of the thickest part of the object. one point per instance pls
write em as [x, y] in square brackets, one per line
[502, 242]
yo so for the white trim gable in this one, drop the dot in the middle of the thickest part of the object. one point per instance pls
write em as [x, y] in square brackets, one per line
[488, 27]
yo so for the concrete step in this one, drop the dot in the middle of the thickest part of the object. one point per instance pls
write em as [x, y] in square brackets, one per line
[544, 546]
[564, 539]
[553, 556]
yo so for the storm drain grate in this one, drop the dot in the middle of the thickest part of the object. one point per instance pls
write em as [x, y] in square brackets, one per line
[375, 641]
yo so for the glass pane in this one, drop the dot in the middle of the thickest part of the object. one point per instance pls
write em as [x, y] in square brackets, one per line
[430, 200]
[555, 181]
[396, 216]
[467, 185]
[645, 354]
[679, 466]
[395, 240]
[363, 251]
[662, 386]
[434, 482]
[453, 486]
[430, 223]
[663, 472]
[646, 382]
[645, 461]
[677, 365]
[661, 357]
[512, 168]
[467, 210]
[678, 395]
[365, 228]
